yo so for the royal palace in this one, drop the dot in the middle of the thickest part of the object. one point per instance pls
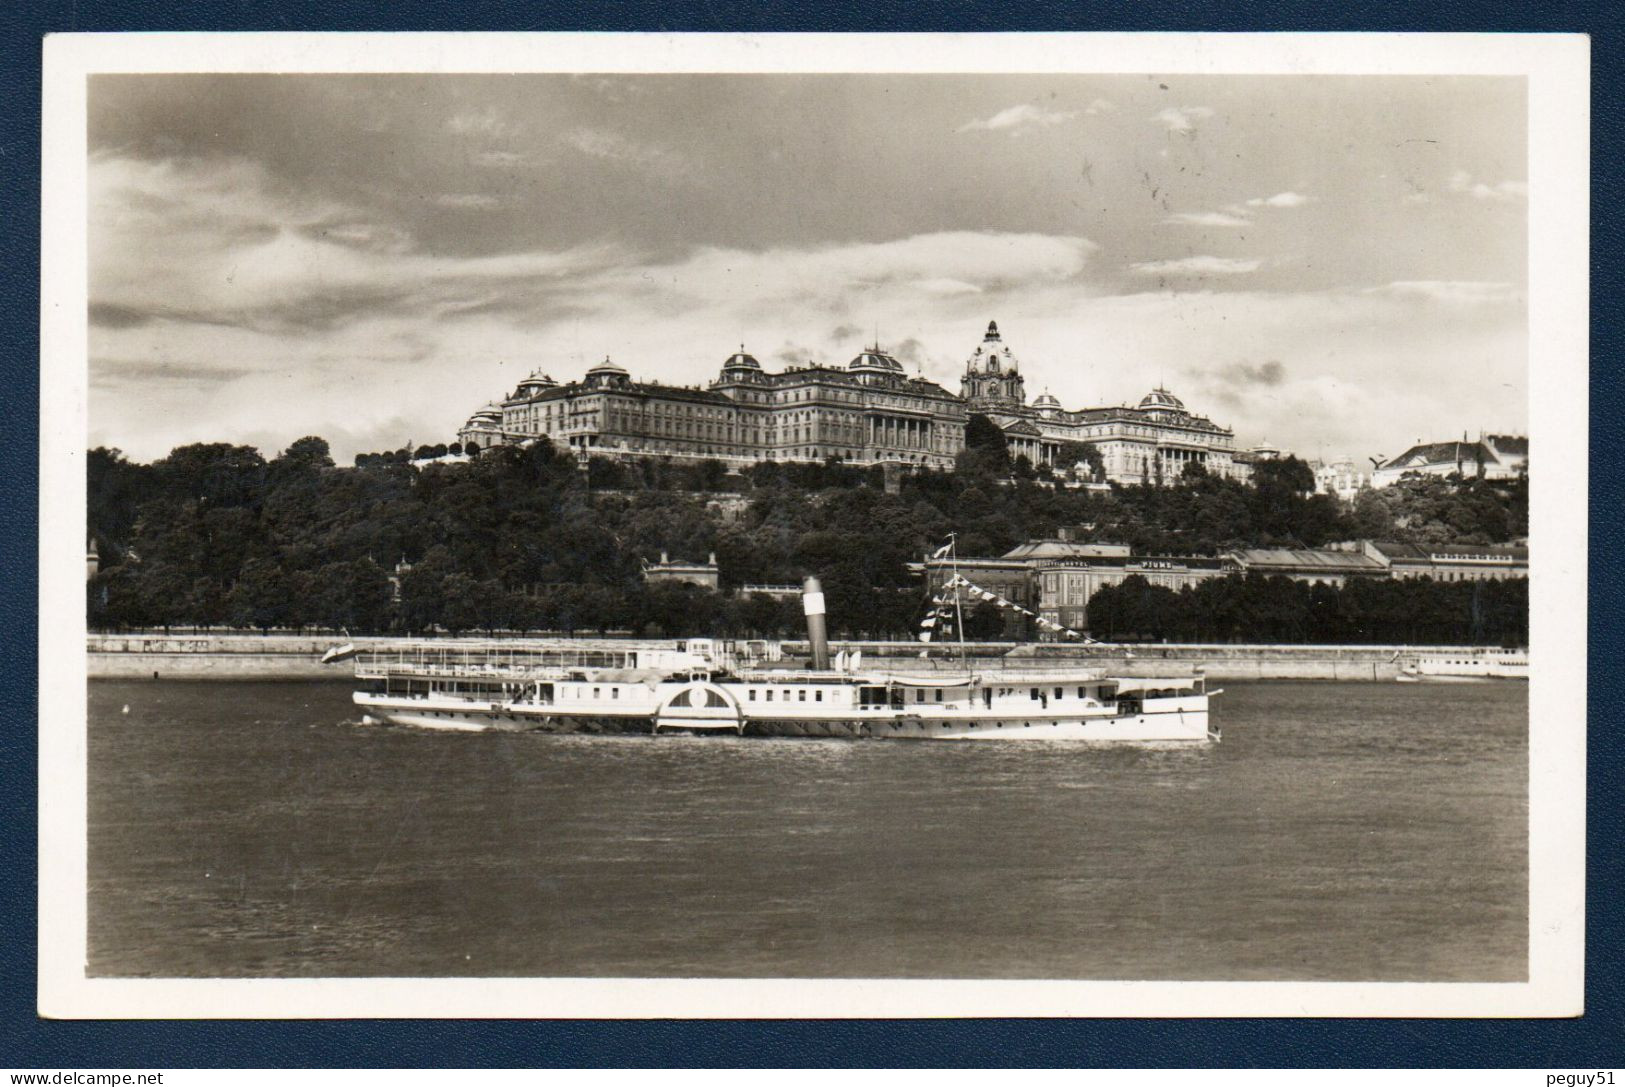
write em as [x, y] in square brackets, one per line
[870, 412]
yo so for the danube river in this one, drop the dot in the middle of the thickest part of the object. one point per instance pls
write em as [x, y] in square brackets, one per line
[1342, 831]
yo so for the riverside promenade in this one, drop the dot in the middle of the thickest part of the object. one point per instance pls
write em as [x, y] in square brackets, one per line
[291, 656]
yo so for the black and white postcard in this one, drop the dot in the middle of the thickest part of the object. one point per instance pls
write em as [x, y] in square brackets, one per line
[635, 525]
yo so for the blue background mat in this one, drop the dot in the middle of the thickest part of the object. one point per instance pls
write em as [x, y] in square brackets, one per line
[25, 1041]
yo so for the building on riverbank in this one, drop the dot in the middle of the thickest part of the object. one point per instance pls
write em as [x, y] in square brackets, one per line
[1056, 578]
[667, 572]
[1449, 562]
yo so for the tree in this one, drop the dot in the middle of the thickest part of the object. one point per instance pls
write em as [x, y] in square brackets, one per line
[215, 473]
[261, 597]
[310, 450]
[1071, 456]
[987, 451]
[350, 595]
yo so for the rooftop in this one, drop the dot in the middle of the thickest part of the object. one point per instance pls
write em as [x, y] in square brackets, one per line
[1303, 558]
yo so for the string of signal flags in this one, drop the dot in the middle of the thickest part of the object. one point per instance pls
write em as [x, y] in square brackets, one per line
[946, 600]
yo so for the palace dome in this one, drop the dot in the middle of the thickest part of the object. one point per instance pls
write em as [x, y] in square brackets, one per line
[490, 412]
[1162, 398]
[740, 360]
[535, 383]
[607, 367]
[874, 358]
[1046, 402]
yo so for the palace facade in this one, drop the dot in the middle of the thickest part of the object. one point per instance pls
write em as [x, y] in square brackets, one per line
[870, 412]
[1150, 443]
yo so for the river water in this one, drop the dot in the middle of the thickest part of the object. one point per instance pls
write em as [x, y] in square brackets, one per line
[1342, 831]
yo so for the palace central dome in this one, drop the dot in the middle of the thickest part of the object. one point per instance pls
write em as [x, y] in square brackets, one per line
[874, 358]
[1162, 398]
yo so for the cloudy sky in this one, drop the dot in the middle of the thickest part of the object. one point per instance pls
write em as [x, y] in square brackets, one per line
[1336, 265]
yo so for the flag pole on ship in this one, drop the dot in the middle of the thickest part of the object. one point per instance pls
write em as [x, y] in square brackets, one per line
[959, 611]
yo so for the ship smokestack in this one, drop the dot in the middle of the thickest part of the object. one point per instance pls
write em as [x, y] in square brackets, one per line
[812, 602]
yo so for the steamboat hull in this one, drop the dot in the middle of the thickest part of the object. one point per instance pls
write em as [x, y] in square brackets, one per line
[1187, 723]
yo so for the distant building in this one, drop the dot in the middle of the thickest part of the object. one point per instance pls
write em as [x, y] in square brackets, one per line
[1316, 567]
[1057, 578]
[1248, 459]
[1342, 478]
[870, 412]
[402, 568]
[665, 571]
[1449, 562]
[1150, 443]
[774, 592]
[1494, 456]
[1066, 586]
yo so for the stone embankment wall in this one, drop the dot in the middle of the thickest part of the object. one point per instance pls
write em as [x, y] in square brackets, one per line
[1333, 662]
[278, 656]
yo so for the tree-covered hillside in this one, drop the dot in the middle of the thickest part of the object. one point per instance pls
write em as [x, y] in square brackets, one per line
[522, 538]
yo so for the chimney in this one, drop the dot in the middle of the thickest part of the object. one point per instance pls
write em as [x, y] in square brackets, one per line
[812, 602]
[663, 559]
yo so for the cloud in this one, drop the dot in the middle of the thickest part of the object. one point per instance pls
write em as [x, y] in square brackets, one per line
[109, 315]
[969, 261]
[613, 147]
[1455, 292]
[486, 124]
[1021, 117]
[275, 315]
[1504, 191]
[219, 243]
[1208, 218]
[1245, 373]
[1196, 266]
[909, 351]
[947, 286]
[1182, 118]
[500, 159]
[467, 200]
[1279, 200]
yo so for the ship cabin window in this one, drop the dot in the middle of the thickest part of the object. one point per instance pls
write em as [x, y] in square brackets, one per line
[1058, 692]
[770, 694]
[870, 697]
[1033, 691]
[939, 694]
[753, 694]
[595, 692]
[801, 696]
[919, 695]
[1083, 692]
[818, 696]
[614, 692]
